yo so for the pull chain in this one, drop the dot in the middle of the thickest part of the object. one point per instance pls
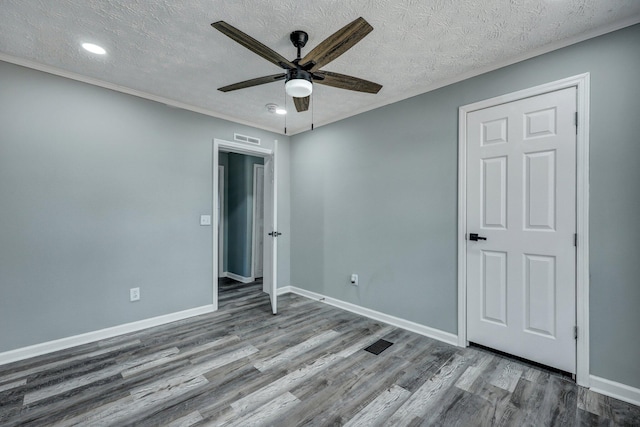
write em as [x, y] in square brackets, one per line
[312, 106]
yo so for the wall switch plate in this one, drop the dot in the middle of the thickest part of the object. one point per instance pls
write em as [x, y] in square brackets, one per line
[354, 279]
[134, 294]
[205, 219]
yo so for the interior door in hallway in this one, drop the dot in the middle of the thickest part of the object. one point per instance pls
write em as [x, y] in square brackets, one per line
[521, 220]
[270, 265]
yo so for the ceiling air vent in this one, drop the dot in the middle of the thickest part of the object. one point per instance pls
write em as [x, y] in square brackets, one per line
[247, 139]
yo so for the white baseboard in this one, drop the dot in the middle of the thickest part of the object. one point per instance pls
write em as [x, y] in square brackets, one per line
[599, 385]
[616, 390]
[238, 277]
[437, 334]
[86, 338]
[284, 290]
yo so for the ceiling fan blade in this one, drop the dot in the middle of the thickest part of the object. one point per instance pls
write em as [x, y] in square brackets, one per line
[253, 45]
[253, 82]
[336, 44]
[302, 104]
[343, 81]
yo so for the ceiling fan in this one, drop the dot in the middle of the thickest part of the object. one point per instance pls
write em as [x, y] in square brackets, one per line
[301, 73]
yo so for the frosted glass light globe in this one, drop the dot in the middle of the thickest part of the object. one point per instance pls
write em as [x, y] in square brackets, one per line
[298, 88]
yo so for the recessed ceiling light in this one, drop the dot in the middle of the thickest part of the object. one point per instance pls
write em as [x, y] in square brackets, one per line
[94, 48]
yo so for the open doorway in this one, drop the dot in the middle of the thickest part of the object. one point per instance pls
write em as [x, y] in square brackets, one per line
[241, 224]
[239, 212]
[245, 249]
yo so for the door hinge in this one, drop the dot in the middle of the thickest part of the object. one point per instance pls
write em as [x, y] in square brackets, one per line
[576, 121]
[575, 239]
[575, 332]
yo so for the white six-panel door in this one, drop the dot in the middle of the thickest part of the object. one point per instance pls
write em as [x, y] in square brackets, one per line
[521, 197]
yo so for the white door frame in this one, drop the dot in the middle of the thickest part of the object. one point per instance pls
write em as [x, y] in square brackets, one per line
[220, 222]
[582, 84]
[230, 147]
[254, 241]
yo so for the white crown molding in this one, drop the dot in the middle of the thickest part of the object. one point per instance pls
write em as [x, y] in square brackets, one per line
[419, 90]
[122, 89]
[89, 337]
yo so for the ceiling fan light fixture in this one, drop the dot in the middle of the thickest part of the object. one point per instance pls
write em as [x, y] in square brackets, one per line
[301, 72]
[298, 88]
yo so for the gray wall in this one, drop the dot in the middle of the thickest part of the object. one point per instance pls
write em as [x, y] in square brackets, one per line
[239, 210]
[375, 194]
[100, 192]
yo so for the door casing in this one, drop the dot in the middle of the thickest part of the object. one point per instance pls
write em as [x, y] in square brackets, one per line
[220, 223]
[582, 84]
[255, 253]
[234, 147]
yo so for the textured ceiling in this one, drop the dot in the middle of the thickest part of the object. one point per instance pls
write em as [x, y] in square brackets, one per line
[169, 50]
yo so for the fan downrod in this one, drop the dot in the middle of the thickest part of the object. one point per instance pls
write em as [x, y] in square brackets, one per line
[299, 39]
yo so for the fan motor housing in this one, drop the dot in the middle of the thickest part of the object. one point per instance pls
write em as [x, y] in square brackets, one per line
[298, 73]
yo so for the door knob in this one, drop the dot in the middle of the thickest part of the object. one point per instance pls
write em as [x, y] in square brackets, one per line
[475, 237]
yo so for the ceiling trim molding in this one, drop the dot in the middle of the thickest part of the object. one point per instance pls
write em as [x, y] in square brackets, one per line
[123, 89]
[528, 55]
[633, 20]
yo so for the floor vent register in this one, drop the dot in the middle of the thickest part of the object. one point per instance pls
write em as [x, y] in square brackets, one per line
[378, 347]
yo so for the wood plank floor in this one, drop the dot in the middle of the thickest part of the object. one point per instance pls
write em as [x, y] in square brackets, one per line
[242, 366]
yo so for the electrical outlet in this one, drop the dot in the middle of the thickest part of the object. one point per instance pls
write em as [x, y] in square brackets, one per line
[134, 294]
[354, 279]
